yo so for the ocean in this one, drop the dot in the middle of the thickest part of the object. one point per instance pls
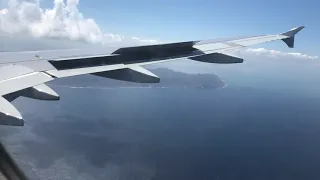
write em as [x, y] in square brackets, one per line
[168, 133]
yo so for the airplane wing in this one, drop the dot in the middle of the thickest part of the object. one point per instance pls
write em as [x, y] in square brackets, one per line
[27, 77]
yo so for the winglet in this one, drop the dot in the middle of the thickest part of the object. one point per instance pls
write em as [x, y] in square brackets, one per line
[290, 36]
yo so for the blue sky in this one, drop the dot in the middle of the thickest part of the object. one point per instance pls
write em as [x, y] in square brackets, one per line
[202, 19]
[179, 21]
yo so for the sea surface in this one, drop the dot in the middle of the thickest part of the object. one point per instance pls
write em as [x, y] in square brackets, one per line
[168, 134]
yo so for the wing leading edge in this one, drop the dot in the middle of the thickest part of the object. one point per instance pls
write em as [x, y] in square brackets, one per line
[27, 77]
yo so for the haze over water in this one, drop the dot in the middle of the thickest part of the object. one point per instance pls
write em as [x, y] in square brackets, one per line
[177, 133]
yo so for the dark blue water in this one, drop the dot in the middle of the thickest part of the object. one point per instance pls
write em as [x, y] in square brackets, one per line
[187, 134]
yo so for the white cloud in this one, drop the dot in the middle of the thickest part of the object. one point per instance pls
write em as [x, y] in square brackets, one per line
[3, 11]
[278, 54]
[63, 20]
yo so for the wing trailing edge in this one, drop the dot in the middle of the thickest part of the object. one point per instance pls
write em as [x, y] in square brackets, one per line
[218, 58]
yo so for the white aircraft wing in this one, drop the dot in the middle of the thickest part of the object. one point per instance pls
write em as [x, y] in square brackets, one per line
[27, 77]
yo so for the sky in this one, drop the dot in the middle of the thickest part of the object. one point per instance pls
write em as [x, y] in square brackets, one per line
[27, 24]
[166, 20]
[188, 19]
